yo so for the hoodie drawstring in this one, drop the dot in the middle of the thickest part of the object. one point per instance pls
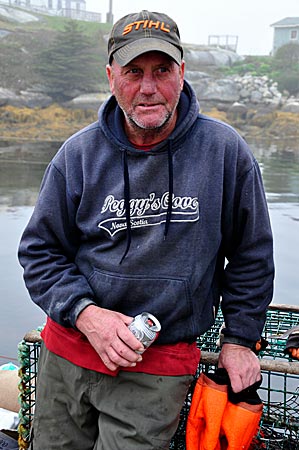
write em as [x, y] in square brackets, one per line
[170, 190]
[127, 197]
[127, 203]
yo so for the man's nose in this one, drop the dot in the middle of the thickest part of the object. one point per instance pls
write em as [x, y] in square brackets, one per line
[148, 84]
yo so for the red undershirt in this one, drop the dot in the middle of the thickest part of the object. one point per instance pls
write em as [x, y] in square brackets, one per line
[174, 359]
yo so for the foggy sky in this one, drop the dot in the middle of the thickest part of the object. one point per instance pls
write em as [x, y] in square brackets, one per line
[250, 21]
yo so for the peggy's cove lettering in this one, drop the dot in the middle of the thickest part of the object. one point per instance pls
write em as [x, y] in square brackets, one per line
[141, 206]
[146, 212]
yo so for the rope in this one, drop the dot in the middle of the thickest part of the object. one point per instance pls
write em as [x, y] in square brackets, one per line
[28, 352]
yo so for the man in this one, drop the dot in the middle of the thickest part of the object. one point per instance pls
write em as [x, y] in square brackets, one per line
[138, 212]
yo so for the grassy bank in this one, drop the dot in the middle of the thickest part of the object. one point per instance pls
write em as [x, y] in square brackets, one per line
[58, 123]
[272, 124]
[52, 123]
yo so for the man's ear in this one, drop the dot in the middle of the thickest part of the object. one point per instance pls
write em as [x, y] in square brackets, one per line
[182, 74]
[110, 76]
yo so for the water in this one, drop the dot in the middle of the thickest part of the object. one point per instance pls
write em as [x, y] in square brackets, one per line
[21, 168]
[279, 162]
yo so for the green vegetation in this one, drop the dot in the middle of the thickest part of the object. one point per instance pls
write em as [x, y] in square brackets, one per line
[286, 62]
[255, 65]
[57, 23]
[31, 49]
[283, 67]
[69, 63]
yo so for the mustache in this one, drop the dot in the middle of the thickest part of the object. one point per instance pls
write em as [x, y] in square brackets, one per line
[151, 100]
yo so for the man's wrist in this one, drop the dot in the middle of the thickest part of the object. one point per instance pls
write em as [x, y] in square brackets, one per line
[79, 307]
[238, 341]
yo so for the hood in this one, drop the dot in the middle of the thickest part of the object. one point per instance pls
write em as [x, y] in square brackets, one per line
[110, 119]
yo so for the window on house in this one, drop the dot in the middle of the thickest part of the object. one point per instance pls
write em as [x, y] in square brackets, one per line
[294, 34]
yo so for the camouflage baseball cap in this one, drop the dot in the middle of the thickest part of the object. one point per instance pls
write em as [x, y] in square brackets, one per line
[138, 33]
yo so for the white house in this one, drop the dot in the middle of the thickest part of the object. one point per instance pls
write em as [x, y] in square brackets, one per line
[286, 31]
[74, 9]
[52, 5]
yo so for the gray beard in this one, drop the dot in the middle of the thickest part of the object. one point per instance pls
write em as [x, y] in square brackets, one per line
[138, 125]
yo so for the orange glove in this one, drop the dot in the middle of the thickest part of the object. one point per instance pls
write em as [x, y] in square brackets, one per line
[206, 412]
[220, 419]
[241, 418]
[240, 425]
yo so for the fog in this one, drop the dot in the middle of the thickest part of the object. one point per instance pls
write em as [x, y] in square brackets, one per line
[249, 21]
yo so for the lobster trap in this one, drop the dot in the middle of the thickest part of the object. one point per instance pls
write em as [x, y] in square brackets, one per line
[279, 425]
[28, 354]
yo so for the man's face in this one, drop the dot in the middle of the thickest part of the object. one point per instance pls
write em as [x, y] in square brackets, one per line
[148, 90]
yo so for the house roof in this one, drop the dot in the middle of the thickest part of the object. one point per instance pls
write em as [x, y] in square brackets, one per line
[287, 22]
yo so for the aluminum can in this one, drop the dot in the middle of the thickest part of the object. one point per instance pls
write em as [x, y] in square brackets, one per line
[145, 328]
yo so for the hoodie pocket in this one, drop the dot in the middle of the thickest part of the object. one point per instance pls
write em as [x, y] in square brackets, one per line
[167, 298]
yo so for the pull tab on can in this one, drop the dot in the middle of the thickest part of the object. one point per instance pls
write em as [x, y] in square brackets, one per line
[145, 328]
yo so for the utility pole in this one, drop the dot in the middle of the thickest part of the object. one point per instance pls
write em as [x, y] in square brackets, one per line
[109, 17]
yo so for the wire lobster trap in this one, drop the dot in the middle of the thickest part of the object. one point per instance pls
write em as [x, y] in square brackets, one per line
[28, 354]
[279, 425]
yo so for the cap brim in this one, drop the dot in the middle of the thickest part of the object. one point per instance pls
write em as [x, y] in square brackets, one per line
[130, 51]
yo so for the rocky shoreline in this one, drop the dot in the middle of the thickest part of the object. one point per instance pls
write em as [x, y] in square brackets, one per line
[56, 123]
[247, 91]
[251, 104]
[238, 92]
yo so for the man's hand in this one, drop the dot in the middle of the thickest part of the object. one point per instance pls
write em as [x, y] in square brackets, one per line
[242, 366]
[108, 333]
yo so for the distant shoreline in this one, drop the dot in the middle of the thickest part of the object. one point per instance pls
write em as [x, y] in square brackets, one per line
[56, 123]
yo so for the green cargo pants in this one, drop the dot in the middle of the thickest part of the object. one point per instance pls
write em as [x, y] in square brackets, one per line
[80, 409]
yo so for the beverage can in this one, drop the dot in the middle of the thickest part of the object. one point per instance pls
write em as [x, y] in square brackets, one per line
[145, 328]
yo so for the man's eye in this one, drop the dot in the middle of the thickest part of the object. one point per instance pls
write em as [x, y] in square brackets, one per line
[163, 69]
[134, 71]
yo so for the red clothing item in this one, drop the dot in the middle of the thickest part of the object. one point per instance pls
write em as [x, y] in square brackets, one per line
[174, 360]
